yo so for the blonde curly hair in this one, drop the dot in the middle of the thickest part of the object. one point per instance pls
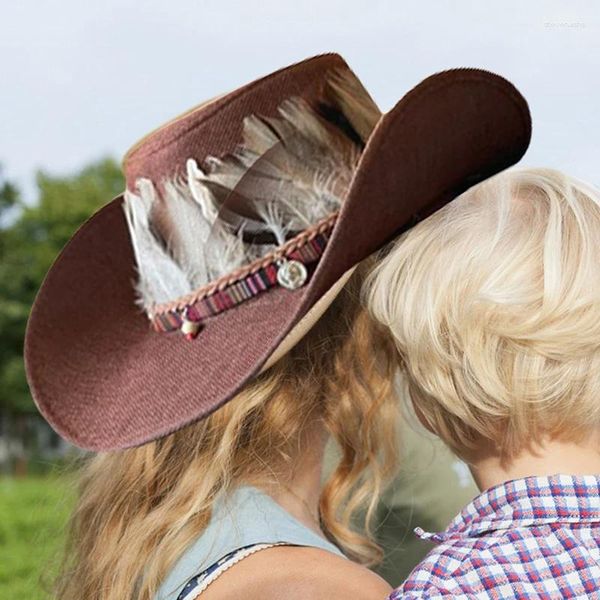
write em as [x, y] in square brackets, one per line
[493, 303]
[140, 508]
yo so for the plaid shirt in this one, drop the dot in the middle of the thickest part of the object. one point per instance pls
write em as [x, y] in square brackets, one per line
[537, 537]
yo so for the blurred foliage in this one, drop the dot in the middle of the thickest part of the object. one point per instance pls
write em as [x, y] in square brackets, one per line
[30, 239]
[33, 513]
[33, 510]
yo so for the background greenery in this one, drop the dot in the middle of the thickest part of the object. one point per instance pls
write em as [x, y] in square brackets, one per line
[30, 239]
[34, 498]
[33, 511]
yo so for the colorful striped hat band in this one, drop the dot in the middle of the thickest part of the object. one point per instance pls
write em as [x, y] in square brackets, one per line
[290, 267]
[251, 220]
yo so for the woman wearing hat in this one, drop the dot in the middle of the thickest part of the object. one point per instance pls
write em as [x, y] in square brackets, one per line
[202, 332]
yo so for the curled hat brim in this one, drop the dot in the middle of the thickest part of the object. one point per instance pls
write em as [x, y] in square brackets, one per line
[105, 380]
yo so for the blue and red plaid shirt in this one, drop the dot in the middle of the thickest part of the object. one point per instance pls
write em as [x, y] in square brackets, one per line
[537, 537]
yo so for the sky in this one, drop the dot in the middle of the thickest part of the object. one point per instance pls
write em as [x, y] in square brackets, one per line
[84, 80]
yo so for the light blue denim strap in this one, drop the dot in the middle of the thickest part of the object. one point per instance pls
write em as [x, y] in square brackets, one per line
[248, 517]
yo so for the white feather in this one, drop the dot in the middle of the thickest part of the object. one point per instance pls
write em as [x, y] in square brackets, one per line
[160, 278]
[294, 170]
[200, 193]
[188, 232]
[225, 252]
[274, 220]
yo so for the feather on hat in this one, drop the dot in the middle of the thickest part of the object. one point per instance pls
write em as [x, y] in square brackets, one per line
[290, 173]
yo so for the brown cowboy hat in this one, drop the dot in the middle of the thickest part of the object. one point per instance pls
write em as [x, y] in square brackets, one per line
[105, 377]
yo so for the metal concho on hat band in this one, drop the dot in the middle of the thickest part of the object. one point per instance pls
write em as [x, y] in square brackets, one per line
[288, 267]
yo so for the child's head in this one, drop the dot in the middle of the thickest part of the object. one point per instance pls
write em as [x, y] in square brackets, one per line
[493, 303]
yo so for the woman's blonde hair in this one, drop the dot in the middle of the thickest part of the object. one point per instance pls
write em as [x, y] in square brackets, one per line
[493, 303]
[140, 508]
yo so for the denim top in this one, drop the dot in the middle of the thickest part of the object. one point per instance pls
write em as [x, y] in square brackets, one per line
[245, 521]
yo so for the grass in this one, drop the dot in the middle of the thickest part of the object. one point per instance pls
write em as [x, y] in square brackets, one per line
[33, 512]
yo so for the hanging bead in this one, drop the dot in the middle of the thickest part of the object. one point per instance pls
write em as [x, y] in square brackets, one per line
[190, 327]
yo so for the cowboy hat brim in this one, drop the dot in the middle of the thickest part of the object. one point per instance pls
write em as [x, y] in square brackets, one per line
[105, 380]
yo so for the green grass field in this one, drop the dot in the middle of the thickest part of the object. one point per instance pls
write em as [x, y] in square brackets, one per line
[33, 512]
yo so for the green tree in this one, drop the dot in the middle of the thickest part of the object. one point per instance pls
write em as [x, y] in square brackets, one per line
[30, 239]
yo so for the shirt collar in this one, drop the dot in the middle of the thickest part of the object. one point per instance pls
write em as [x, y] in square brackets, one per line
[525, 502]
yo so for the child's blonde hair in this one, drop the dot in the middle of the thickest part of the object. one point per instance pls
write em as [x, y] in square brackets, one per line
[493, 303]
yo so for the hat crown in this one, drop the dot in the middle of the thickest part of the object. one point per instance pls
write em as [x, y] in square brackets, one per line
[225, 200]
[215, 127]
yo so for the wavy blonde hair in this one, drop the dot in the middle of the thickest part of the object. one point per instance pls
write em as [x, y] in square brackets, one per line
[140, 508]
[493, 303]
